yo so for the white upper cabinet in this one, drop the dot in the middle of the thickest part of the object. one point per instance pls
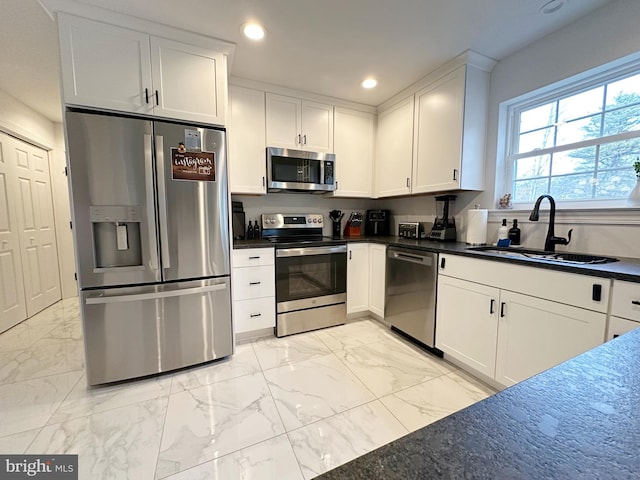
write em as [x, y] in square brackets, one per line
[354, 137]
[395, 150]
[115, 68]
[247, 166]
[449, 132]
[299, 124]
[434, 140]
[190, 81]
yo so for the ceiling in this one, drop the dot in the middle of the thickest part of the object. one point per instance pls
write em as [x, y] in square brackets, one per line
[320, 46]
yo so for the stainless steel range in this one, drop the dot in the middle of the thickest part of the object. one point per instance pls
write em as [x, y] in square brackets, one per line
[311, 273]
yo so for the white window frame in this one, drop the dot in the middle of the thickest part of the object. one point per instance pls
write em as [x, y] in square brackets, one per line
[572, 86]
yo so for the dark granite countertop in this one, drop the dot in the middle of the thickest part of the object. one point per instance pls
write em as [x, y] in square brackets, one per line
[626, 269]
[577, 420]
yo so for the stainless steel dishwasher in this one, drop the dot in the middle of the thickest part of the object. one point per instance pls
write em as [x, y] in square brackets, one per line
[410, 294]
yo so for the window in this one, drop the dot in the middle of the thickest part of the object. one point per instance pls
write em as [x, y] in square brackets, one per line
[577, 145]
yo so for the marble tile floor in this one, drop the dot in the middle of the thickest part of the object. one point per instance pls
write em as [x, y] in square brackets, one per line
[289, 408]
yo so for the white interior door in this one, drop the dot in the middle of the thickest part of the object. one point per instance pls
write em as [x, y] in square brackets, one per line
[37, 234]
[13, 308]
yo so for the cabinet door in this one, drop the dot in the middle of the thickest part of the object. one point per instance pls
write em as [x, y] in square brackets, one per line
[283, 117]
[467, 323]
[394, 152]
[317, 127]
[191, 82]
[357, 277]
[439, 116]
[104, 66]
[247, 163]
[536, 334]
[618, 326]
[353, 146]
[377, 267]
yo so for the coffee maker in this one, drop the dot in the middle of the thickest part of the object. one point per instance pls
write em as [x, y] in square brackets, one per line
[444, 228]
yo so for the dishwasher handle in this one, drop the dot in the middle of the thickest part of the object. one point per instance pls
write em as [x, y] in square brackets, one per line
[411, 257]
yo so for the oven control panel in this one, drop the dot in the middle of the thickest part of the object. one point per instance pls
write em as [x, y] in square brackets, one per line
[279, 220]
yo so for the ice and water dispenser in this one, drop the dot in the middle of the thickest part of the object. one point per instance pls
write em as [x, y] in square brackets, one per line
[116, 236]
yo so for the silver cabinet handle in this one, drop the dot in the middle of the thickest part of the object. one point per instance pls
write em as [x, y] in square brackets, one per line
[299, 139]
[635, 302]
[455, 174]
[305, 139]
[253, 315]
[162, 203]
[151, 213]
[255, 283]
[408, 182]
[254, 258]
[154, 295]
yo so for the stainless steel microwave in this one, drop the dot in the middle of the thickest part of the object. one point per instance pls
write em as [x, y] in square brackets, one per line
[297, 170]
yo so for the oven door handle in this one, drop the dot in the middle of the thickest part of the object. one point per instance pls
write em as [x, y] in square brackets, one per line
[304, 251]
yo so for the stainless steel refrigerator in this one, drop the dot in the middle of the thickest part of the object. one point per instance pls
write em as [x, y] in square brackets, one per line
[150, 220]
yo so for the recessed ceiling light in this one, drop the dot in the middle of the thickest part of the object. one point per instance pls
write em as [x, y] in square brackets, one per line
[369, 83]
[253, 31]
[552, 7]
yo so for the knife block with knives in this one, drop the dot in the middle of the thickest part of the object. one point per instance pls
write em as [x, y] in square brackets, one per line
[353, 227]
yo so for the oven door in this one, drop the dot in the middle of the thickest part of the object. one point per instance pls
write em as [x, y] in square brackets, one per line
[309, 277]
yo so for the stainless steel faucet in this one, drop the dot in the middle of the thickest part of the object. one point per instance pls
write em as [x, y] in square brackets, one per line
[551, 241]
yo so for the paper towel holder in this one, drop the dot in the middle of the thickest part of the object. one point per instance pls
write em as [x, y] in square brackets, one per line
[477, 226]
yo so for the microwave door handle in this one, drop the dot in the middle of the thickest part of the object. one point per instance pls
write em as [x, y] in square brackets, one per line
[151, 213]
[162, 203]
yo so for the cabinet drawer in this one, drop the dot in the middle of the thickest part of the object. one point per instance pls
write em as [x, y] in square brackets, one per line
[254, 282]
[625, 302]
[255, 314]
[252, 257]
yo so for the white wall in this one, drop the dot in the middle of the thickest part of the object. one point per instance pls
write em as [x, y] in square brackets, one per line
[604, 36]
[21, 121]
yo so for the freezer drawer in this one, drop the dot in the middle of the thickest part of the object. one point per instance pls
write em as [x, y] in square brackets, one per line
[137, 331]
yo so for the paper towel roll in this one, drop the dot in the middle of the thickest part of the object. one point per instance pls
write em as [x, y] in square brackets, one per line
[477, 226]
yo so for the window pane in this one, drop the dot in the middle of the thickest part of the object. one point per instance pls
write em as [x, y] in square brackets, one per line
[579, 130]
[536, 140]
[572, 187]
[624, 120]
[574, 161]
[623, 92]
[620, 155]
[538, 117]
[532, 167]
[529, 190]
[580, 105]
[615, 184]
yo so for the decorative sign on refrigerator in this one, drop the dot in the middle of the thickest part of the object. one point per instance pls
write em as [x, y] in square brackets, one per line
[198, 166]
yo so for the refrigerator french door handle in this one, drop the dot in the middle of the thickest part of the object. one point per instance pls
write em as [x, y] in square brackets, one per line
[162, 203]
[155, 295]
[151, 212]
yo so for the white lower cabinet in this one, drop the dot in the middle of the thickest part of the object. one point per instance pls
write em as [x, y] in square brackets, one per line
[377, 271]
[625, 308]
[357, 277]
[253, 283]
[468, 329]
[536, 334]
[491, 316]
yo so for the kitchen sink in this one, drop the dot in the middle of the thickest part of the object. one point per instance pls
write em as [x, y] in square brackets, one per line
[560, 257]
